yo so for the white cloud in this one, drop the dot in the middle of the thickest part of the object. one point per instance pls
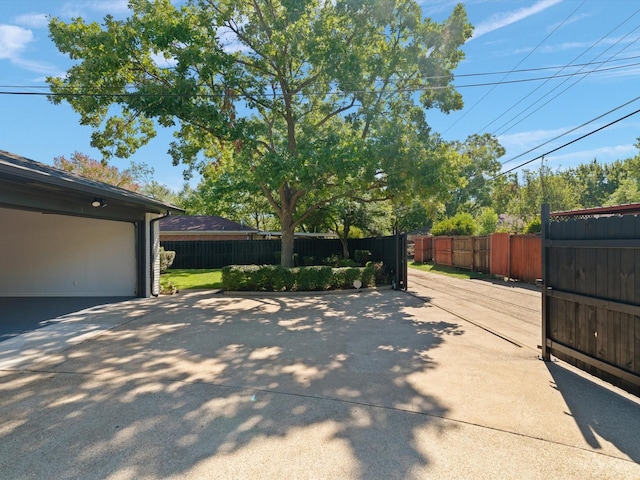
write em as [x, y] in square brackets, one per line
[102, 7]
[13, 40]
[110, 6]
[602, 154]
[504, 19]
[33, 20]
[163, 62]
[525, 140]
[37, 67]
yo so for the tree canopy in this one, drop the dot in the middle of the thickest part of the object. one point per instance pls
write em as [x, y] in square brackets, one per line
[305, 101]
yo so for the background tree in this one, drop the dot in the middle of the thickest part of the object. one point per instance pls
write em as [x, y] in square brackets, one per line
[481, 165]
[291, 97]
[460, 224]
[594, 182]
[137, 178]
[487, 221]
[85, 166]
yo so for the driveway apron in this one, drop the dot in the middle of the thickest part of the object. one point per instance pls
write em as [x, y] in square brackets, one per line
[357, 385]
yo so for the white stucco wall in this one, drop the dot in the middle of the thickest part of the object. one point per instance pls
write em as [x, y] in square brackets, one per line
[55, 255]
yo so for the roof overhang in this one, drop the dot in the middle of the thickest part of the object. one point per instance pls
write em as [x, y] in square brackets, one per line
[26, 184]
[209, 232]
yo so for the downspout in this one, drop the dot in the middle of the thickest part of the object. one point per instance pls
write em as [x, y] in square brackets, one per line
[151, 256]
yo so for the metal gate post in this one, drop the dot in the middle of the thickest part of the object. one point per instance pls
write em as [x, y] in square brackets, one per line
[401, 260]
[546, 356]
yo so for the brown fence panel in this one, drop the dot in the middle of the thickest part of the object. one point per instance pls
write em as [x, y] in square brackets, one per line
[443, 250]
[500, 254]
[482, 253]
[423, 249]
[526, 257]
[462, 255]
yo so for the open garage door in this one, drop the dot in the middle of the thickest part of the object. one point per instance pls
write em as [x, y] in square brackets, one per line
[58, 255]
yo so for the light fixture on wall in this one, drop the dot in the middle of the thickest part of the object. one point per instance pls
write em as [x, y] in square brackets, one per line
[98, 202]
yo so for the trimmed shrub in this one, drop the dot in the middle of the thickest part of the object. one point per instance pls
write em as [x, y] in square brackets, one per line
[276, 278]
[166, 259]
[336, 261]
[344, 277]
[362, 257]
[369, 275]
[312, 278]
[380, 273]
[307, 261]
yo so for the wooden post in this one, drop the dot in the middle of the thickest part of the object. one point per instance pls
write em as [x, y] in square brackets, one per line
[546, 355]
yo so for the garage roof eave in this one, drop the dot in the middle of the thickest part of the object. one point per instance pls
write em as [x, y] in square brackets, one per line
[15, 167]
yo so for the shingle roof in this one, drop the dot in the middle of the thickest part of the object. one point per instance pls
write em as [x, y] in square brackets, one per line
[16, 166]
[201, 223]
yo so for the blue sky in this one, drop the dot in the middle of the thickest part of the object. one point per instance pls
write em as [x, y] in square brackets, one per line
[555, 42]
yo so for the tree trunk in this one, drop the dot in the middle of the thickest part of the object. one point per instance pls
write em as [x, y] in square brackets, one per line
[286, 255]
[345, 248]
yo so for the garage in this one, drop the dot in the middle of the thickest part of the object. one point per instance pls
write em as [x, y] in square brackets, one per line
[67, 236]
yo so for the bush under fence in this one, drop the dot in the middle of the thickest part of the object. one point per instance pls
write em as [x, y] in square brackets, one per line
[220, 253]
[513, 256]
[277, 278]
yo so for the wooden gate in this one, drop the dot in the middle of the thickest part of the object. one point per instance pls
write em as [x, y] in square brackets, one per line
[591, 294]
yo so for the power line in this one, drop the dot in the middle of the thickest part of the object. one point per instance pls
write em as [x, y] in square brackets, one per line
[465, 75]
[566, 144]
[517, 65]
[498, 131]
[102, 93]
[572, 130]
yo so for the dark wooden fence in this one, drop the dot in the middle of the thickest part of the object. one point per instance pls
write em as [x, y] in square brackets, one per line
[591, 294]
[217, 254]
[513, 256]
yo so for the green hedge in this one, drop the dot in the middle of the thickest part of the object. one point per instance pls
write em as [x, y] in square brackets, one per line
[277, 278]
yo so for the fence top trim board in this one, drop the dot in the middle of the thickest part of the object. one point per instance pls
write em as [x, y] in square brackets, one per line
[628, 209]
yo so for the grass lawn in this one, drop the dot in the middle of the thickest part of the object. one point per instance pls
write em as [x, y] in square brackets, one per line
[196, 278]
[450, 272]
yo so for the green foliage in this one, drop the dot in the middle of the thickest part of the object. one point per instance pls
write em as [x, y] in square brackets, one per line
[362, 256]
[380, 273]
[534, 226]
[459, 224]
[344, 277]
[166, 259]
[337, 261]
[314, 103]
[277, 278]
[168, 288]
[83, 165]
[307, 261]
[480, 154]
[415, 216]
[487, 221]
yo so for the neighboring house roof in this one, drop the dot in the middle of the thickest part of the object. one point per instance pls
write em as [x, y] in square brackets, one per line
[30, 184]
[199, 224]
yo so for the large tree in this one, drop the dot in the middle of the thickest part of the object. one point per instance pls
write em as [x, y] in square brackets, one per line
[295, 97]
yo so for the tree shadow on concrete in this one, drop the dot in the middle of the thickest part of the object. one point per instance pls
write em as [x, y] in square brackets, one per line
[23, 314]
[601, 414]
[219, 386]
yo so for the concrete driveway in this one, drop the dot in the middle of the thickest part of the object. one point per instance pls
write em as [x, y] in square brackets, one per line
[376, 384]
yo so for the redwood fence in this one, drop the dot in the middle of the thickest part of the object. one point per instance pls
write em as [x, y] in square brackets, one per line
[513, 256]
